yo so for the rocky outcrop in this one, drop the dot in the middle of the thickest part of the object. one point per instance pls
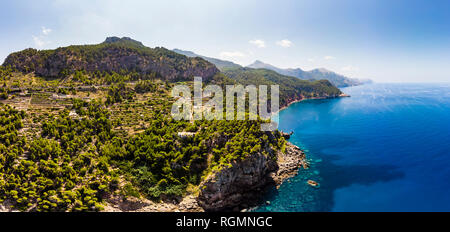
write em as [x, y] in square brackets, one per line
[287, 136]
[7, 206]
[289, 163]
[241, 185]
[132, 204]
[231, 189]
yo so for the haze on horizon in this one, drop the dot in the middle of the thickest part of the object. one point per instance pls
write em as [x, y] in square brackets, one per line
[386, 41]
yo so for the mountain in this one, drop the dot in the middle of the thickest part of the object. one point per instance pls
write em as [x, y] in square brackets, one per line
[220, 64]
[113, 55]
[291, 72]
[127, 56]
[83, 129]
[315, 74]
[291, 88]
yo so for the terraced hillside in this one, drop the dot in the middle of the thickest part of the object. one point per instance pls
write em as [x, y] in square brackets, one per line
[88, 127]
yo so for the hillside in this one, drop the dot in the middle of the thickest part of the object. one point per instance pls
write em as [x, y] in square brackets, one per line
[120, 55]
[315, 74]
[291, 88]
[88, 128]
[220, 64]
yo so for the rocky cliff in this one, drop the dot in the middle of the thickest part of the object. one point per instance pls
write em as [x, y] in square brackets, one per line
[113, 55]
[234, 188]
[241, 185]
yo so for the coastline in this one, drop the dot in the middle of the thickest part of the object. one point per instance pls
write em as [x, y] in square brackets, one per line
[342, 95]
[288, 165]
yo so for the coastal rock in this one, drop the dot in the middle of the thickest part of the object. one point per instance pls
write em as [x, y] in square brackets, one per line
[237, 184]
[244, 180]
[289, 163]
[6, 206]
[119, 204]
[233, 188]
[313, 183]
[287, 136]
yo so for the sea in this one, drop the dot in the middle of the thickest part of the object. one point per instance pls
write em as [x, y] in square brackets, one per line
[384, 149]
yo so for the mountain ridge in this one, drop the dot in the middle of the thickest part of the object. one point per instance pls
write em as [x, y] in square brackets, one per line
[314, 74]
[113, 55]
[292, 89]
[220, 64]
[126, 56]
[110, 140]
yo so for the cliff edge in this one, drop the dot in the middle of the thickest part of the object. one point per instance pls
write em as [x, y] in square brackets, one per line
[241, 185]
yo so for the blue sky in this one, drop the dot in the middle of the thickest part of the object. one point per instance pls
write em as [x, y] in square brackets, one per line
[385, 40]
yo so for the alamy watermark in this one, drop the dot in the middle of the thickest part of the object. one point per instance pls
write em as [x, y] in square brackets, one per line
[188, 108]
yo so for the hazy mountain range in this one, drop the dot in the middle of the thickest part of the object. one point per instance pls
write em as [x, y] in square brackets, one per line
[95, 125]
[126, 56]
[315, 74]
[220, 64]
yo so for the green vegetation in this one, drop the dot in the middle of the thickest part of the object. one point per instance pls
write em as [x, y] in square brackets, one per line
[220, 64]
[165, 163]
[315, 74]
[58, 171]
[80, 155]
[119, 92]
[100, 128]
[5, 75]
[291, 88]
[122, 56]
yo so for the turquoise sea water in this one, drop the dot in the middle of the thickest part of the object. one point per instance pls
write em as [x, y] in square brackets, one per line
[387, 148]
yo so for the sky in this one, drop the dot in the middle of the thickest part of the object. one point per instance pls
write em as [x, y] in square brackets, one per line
[384, 40]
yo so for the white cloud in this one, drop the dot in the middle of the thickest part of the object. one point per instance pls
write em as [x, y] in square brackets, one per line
[46, 31]
[284, 43]
[234, 54]
[350, 68]
[311, 59]
[329, 57]
[259, 43]
[38, 41]
[41, 40]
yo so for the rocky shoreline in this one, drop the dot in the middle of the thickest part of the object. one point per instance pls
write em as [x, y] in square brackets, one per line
[236, 188]
[312, 98]
[241, 186]
[289, 164]
[233, 189]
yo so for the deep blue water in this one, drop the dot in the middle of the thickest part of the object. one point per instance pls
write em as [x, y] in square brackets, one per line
[387, 148]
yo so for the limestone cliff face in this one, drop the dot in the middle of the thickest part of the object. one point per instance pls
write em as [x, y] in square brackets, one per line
[242, 184]
[234, 186]
[113, 55]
